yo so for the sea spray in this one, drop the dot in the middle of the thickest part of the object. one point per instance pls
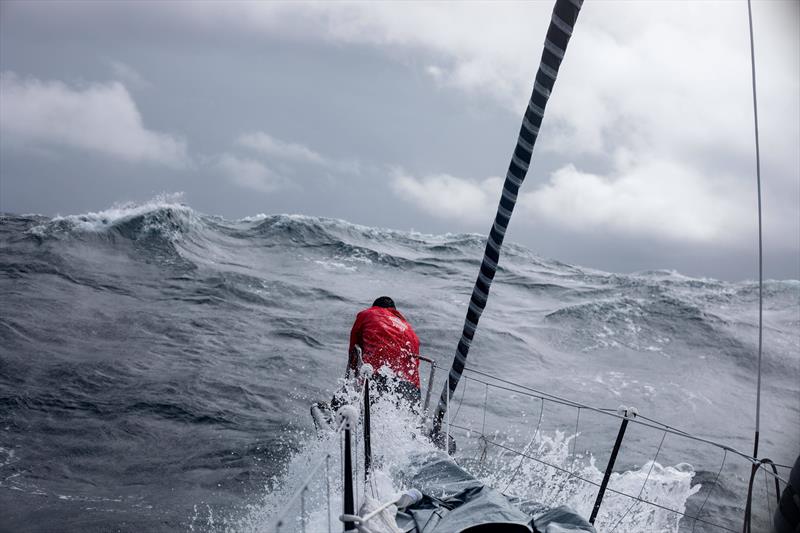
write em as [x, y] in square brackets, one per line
[551, 476]
[161, 358]
[397, 436]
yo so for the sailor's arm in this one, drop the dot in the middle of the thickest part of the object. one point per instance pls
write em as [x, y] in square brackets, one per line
[354, 350]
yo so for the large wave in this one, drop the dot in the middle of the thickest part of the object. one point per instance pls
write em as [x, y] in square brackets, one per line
[213, 336]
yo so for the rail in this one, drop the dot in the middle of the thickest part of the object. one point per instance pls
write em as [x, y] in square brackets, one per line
[625, 416]
[361, 414]
[301, 493]
[612, 412]
[347, 419]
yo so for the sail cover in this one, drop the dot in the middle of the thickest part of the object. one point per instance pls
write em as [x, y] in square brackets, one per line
[454, 501]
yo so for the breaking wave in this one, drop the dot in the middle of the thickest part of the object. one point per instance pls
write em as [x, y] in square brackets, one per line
[157, 364]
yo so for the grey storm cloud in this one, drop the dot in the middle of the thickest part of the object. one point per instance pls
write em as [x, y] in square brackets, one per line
[405, 116]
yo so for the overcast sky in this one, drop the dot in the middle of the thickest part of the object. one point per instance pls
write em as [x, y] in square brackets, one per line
[404, 115]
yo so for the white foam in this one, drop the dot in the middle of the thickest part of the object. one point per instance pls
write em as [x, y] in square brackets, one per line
[528, 479]
[335, 265]
[396, 440]
[120, 212]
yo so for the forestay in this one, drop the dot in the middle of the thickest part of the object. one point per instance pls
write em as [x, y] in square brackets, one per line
[565, 14]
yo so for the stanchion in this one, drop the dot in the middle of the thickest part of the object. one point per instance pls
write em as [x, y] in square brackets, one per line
[627, 412]
[367, 440]
[430, 386]
[349, 504]
[346, 418]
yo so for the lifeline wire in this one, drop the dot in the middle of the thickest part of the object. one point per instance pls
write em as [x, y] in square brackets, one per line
[463, 393]
[652, 464]
[594, 483]
[528, 447]
[714, 486]
[610, 412]
[575, 439]
[325, 461]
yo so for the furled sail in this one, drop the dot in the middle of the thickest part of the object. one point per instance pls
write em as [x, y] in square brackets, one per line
[565, 14]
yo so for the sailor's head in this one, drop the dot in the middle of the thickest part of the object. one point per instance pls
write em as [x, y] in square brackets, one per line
[385, 302]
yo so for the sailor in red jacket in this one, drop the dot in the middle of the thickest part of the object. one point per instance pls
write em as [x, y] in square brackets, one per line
[387, 339]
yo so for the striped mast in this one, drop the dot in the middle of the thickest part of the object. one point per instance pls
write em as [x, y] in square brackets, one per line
[565, 14]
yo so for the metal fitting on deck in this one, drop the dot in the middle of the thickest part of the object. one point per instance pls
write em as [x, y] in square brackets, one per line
[366, 370]
[347, 417]
[627, 412]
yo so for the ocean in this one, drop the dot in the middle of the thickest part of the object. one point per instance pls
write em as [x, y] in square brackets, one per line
[157, 366]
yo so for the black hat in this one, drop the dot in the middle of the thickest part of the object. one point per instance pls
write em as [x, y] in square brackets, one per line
[384, 301]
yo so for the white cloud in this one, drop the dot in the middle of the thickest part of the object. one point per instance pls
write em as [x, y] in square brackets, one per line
[655, 199]
[435, 72]
[640, 198]
[483, 48]
[449, 197]
[102, 118]
[268, 145]
[249, 173]
[494, 48]
[657, 80]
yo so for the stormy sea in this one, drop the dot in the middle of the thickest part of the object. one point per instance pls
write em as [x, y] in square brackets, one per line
[157, 366]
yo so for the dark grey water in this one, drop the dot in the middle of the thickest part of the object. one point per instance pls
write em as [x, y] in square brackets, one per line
[156, 364]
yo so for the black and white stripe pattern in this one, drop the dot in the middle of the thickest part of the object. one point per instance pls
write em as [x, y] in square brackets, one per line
[565, 14]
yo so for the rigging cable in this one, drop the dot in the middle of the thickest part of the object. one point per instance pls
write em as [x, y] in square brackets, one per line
[609, 489]
[748, 506]
[564, 17]
[650, 471]
[760, 241]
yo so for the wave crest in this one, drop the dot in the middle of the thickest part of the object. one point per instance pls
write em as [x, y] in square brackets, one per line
[163, 216]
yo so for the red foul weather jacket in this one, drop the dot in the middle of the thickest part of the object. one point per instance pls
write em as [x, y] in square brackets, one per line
[386, 338]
